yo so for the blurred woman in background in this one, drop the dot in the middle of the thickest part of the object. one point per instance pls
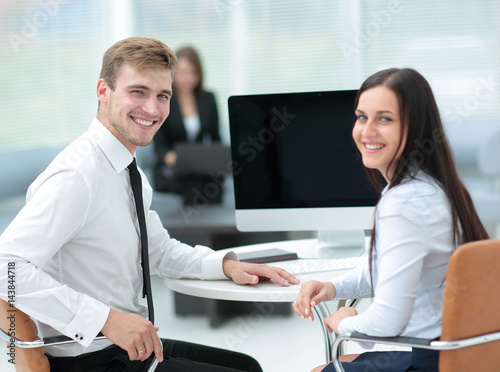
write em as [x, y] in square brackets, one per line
[193, 118]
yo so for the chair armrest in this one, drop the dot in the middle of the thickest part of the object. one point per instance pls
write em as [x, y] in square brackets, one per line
[360, 337]
[47, 341]
[415, 342]
[392, 340]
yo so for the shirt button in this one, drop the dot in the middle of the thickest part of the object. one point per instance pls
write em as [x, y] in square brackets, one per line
[78, 336]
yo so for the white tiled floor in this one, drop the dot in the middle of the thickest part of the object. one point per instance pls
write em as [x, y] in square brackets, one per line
[278, 342]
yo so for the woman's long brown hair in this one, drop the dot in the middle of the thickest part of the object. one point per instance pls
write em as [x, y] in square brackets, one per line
[426, 149]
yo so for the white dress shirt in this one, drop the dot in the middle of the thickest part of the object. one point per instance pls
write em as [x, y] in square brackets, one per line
[414, 242]
[76, 243]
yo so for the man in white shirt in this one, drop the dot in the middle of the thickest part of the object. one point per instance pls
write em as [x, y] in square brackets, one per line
[75, 245]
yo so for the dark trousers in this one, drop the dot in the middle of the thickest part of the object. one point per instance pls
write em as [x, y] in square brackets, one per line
[420, 360]
[178, 356]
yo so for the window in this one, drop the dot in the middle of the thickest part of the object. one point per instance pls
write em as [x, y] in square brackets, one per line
[259, 46]
[52, 51]
[51, 56]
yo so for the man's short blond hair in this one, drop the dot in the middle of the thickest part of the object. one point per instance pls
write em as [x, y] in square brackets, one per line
[138, 52]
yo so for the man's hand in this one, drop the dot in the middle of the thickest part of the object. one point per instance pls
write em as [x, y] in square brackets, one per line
[311, 294]
[249, 273]
[134, 334]
[332, 321]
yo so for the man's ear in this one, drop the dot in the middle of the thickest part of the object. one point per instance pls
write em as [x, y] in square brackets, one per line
[103, 91]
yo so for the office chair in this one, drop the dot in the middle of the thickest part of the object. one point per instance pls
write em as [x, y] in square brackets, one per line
[470, 339]
[25, 346]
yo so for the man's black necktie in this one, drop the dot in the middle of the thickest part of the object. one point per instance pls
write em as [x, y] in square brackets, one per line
[135, 180]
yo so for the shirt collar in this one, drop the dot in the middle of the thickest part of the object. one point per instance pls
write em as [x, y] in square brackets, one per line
[117, 154]
[418, 174]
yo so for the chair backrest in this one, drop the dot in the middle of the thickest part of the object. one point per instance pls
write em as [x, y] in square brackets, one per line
[12, 320]
[472, 306]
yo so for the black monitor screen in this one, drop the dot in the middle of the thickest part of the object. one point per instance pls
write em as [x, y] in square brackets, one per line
[295, 150]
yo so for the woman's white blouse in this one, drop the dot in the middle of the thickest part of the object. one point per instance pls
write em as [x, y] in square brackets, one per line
[414, 241]
[192, 124]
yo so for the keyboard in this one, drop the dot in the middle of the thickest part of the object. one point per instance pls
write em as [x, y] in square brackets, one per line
[316, 265]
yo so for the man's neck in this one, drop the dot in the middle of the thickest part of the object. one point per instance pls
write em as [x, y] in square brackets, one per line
[104, 120]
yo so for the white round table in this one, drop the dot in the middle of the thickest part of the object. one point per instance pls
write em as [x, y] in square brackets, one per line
[267, 291]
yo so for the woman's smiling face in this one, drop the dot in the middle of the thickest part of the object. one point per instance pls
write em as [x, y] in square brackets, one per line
[377, 130]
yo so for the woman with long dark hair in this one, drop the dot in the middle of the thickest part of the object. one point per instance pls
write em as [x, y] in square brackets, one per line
[423, 214]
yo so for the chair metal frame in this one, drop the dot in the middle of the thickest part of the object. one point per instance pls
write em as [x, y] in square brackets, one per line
[322, 311]
[55, 340]
[413, 342]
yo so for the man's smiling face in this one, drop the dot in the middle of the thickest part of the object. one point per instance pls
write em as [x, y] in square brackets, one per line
[138, 106]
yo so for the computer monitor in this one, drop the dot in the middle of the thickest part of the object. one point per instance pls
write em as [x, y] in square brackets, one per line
[296, 168]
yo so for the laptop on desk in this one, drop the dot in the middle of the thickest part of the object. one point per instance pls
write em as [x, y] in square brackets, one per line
[200, 159]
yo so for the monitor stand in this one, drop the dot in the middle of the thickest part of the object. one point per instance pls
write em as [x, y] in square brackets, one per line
[340, 244]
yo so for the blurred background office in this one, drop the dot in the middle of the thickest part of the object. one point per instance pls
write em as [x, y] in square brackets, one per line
[193, 119]
[52, 50]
